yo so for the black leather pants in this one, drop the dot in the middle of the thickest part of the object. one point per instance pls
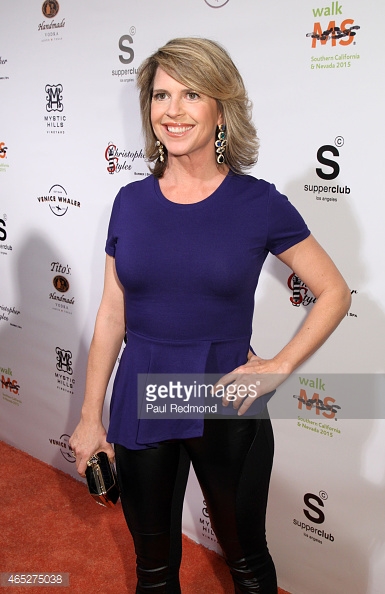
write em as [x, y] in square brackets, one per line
[233, 463]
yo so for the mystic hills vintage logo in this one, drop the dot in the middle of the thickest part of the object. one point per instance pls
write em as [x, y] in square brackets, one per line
[55, 121]
[64, 370]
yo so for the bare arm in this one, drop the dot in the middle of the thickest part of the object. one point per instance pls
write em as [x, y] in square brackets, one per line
[90, 435]
[314, 267]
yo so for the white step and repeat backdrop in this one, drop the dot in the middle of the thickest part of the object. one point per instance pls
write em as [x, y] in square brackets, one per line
[70, 138]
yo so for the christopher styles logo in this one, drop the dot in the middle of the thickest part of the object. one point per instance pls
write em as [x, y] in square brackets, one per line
[126, 71]
[3, 157]
[64, 366]
[325, 189]
[314, 518]
[121, 160]
[301, 294]
[58, 201]
[62, 444]
[62, 301]
[204, 520]
[56, 120]
[10, 386]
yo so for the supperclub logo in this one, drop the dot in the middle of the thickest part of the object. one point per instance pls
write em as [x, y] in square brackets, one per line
[55, 121]
[216, 3]
[62, 301]
[314, 517]
[126, 71]
[10, 387]
[3, 157]
[301, 294]
[63, 445]
[52, 28]
[5, 248]
[325, 189]
[64, 370]
[333, 31]
[58, 200]
[121, 160]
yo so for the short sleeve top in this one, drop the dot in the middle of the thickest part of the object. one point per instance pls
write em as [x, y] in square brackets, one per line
[189, 273]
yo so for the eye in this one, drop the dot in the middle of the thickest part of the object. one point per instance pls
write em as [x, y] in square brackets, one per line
[159, 96]
[192, 95]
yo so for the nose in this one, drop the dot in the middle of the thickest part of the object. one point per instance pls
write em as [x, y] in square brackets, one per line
[175, 107]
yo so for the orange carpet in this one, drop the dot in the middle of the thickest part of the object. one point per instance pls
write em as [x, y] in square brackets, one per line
[50, 524]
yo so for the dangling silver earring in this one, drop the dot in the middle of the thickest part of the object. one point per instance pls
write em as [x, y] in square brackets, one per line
[221, 143]
[160, 150]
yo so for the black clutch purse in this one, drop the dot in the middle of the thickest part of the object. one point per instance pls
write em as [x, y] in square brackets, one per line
[101, 480]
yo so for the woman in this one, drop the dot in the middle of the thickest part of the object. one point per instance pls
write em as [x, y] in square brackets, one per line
[184, 251]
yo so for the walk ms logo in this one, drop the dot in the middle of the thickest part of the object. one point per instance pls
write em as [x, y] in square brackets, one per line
[314, 512]
[10, 387]
[323, 405]
[55, 122]
[64, 380]
[63, 445]
[337, 30]
[58, 201]
[121, 160]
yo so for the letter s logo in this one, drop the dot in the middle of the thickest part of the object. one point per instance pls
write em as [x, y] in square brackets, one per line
[327, 148]
[126, 49]
[3, 233]
[320, 516]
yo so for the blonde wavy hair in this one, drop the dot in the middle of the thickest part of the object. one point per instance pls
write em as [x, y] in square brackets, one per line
[206, 67]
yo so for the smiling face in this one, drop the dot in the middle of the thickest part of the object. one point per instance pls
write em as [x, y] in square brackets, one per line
[183, 120]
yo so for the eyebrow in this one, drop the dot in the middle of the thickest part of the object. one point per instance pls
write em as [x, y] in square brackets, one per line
[188, 89]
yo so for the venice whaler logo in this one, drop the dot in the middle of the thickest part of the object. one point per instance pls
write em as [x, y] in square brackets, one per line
[58, 201]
